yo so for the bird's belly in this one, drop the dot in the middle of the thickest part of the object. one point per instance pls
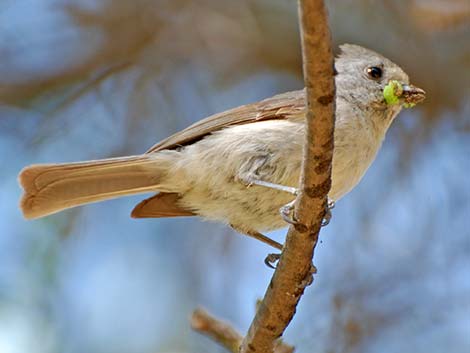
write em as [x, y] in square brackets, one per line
[256, 207]
[245, 207]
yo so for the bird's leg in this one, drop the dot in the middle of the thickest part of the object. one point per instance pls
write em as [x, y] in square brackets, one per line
[271, 258]
[249, 181]
[250, 174]
[258, 236]
[286, 210]
[258, 168]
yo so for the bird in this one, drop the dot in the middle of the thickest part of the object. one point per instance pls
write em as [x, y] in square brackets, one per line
[238, 167]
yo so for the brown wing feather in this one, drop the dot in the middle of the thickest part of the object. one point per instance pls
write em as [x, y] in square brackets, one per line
[283, 106]
[160, 205]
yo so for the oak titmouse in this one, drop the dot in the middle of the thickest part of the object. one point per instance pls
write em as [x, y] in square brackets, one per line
[224, 167]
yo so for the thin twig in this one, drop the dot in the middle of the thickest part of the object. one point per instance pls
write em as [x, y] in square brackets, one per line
[294, 271]
[223, 333]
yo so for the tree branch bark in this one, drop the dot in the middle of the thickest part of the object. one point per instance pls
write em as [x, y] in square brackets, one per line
[294, 271]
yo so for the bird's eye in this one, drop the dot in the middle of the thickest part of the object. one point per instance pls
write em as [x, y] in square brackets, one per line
[375, 72]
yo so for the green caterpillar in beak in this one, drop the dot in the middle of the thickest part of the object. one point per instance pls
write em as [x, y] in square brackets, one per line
[392, 93]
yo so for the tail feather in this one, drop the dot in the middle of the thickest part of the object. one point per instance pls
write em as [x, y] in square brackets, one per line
[50, 188]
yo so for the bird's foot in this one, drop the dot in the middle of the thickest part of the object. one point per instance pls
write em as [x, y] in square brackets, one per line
[271, 259]
[327, 218]
[286, 213]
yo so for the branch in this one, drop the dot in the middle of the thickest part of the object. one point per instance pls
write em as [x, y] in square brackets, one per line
[223, 333]
[294, 271]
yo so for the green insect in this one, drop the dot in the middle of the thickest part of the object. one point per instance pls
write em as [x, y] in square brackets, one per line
[392, 93]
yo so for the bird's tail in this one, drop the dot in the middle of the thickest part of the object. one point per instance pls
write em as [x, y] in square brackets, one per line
[50, 188]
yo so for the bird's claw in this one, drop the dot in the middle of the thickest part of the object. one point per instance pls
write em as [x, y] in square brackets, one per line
[331, 204]
[271, 259]
[286, 213]
[327, 218]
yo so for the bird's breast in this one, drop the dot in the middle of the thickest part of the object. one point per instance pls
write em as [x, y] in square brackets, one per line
[355, 150]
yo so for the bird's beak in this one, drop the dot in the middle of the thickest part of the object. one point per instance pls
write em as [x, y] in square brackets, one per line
[412, 94]
[395, 93]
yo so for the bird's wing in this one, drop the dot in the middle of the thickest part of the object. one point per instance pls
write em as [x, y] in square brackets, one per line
[283, 106]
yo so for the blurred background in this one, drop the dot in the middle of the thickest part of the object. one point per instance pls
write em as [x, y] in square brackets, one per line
[88, 79]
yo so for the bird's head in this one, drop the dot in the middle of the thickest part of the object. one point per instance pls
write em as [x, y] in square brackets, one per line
[372, 82]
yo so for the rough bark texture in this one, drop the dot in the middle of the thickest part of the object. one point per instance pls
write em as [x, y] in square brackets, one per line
[294, 271]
